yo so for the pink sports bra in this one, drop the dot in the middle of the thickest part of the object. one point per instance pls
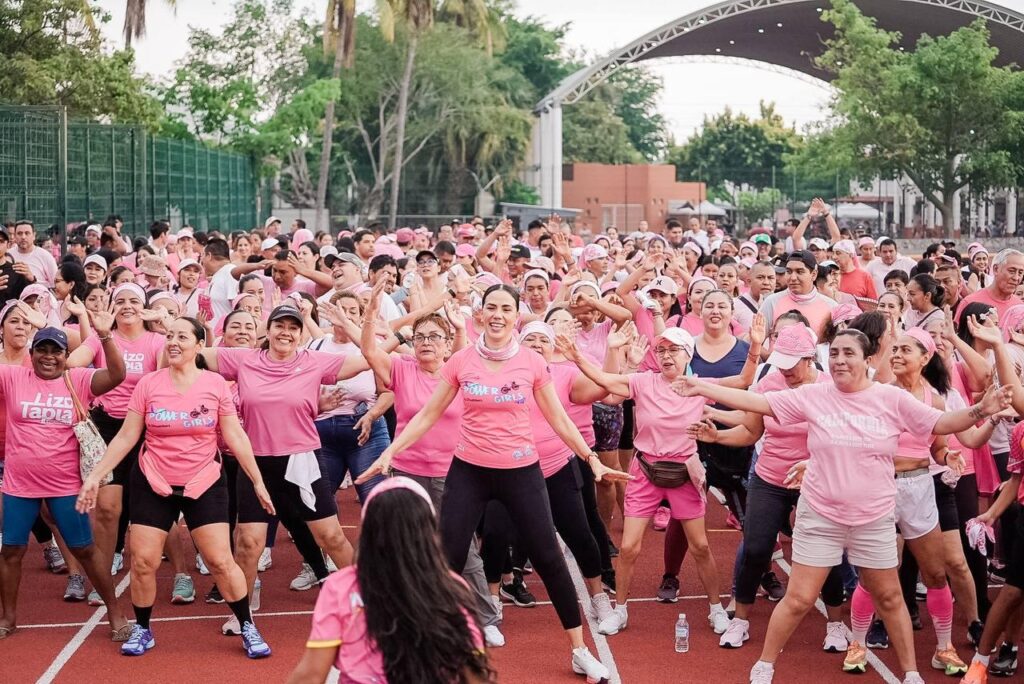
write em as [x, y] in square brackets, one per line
[917, 446]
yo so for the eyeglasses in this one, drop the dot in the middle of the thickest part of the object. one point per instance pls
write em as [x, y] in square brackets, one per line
[432, 338]
[426, 262]
[668, 351]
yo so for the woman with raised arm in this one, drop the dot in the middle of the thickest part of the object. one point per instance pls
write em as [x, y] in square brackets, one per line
[848, 495]
[496, 458]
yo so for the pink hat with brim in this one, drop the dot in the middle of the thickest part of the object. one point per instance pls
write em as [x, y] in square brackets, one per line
[793, 344]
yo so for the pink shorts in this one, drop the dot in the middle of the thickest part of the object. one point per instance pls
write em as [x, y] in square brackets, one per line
[643, 498]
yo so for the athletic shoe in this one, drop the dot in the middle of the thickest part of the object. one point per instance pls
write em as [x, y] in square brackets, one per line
[718, 620]
[94, 599]
[140, 641]
[976, 674]
[201, 565]
[493, 636]
[516, 592]
[614, 623]
[252, 641]
[733, 522]
[735, 634]
[1004, 664]
[231, 627]
[117, 565]
[772, 587]
[254, 600]
[329, 562]
[913, 678]
[668, 592]
[835, 638]
[878, 637]
[305, 580]
[915, 618]
[777, 552]
[856, 658]
[586, 664]
[661, 518]
[921, 592]
[265, 562]
[974, 632]
[54, 559]
[600, 607]
[762, 673]
[527, 568]
[214, 595]
[613, 550]
[608, 581]
[947, 660]
[347, 482]
[499, 607]
[184, 589]
[730, 609]
[75, 589]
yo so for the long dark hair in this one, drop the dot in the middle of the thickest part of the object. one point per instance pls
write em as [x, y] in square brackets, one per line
[935, 371]
[423, 636]
[930, 287]
[972, 310]
[872, 324]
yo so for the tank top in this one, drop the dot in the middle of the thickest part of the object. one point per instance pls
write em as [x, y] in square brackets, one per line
[917, 446]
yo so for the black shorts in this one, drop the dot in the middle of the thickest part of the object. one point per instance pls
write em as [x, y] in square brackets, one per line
[284, 495]
[162, 512]
[108, 427]
[626, 439]
[945, 501]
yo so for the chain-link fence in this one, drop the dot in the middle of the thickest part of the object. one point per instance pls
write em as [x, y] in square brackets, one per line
[54, 171]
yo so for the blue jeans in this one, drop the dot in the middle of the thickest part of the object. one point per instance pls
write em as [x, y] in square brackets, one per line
[340, 452]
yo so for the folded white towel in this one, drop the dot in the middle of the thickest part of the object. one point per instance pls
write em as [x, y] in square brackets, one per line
[302, 471]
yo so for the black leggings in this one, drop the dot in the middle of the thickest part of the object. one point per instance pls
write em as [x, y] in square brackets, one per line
[966, 493]
[570, 516]
[589, 491]
[468, 489]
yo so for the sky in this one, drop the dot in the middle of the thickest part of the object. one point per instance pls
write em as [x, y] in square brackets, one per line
[691, 89]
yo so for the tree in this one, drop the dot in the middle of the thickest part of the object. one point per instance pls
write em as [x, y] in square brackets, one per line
[135, 19]
[591, 132]
[759, 204]
[638, 91]
[943, 114]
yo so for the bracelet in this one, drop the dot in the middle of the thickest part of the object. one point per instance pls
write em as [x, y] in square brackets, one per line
[400, 337]
[104, 339]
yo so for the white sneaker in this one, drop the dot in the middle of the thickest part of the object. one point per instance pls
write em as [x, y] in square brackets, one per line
[718, 619]
[305, 580]
[254, 600]
[493, 636]
[735, 634]
[584, 663]
[913, 678]
[201, 565]
[615, 622]
[231, 627]
[265, 562]
[118, 564]
[762, 673]
[499, 607]
[347, 482]
[835, 638]
[329, 562]
[601, 607]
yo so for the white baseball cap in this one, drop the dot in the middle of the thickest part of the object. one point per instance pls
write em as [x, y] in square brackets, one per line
[185, 263]
[96, 259]
[269, 243]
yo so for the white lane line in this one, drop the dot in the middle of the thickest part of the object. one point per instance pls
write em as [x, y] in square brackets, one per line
[873, 661]
[76, 642]
[604, 651]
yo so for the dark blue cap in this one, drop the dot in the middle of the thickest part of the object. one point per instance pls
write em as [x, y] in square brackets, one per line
[51, 334]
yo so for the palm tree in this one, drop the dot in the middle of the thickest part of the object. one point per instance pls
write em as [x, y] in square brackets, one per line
[135, 19]
[339, 38]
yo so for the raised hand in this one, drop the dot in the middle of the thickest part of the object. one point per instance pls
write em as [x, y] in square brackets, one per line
[758, 331]
[985, 331]
[623, 336]
[35, 317]
[454, 315]
[996, 399]
[637, 351]
[566, 346]
[102, 322]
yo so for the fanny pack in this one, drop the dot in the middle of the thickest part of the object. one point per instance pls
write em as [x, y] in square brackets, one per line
[667, 474]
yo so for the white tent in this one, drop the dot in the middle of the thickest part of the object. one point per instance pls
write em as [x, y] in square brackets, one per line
[856, 212]
[707, 208]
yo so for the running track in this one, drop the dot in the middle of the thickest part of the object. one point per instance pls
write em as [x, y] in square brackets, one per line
[59, 642]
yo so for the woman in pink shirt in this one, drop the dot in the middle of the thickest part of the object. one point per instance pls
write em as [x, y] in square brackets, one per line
[181, 409]
[496, 458]
[374, 622]
[141, 352]
[847, 503]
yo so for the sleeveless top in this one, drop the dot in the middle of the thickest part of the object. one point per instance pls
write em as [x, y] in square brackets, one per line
[917, 446]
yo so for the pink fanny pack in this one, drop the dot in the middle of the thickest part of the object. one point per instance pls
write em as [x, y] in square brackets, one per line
[195, 488]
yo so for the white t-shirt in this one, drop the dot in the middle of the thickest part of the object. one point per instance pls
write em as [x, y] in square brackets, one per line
[223, 290]
[40, 262]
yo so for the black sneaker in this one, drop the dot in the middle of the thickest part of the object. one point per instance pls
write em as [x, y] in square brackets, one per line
[668, 592]
[1004, 664]
[516, 592]
[974, 631]
[613, 550]
[878, 637]
[915, 620]
[772, 586]
[608, 581]
[213, 596]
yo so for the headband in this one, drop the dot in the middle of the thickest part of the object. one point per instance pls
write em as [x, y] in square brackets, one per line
[161, 295]
[538, 327]
[131, 287]
[701, 279]
[11, 303]
[537, 273]
[693, 247]
[580, 284]
[924, 338]
[393, 483]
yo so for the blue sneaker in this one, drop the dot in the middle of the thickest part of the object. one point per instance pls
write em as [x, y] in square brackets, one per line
[255, 646]
[140, 641]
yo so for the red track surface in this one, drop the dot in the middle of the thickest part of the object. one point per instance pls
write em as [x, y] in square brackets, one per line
[191, 648]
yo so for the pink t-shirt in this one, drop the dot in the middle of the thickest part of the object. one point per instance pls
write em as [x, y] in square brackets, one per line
[140, 355]
[42, 450]
[644, 320]
[594, 343]
[181, 429]
[279, 398]
[1015, 463]
[300, 285]
[582, 415]
[495, 430]
[339, 620]
[852, 438]
[431, 455]
[784, 444]
[552, 451]
[985, 297]
[662, 416]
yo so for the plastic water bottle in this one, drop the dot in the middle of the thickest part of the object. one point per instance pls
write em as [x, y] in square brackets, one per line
[682, 634]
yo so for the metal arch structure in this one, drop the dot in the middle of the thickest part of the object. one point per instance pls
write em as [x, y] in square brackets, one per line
[784, 33]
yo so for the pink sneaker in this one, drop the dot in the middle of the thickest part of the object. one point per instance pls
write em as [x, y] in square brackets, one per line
[661, 518]
[733, 522]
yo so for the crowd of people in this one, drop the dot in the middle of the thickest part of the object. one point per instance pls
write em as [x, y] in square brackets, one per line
[489, 388]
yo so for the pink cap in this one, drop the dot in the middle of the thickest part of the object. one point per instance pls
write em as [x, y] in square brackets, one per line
[466, 230]
[794, 342]
[486, 279]
[392, 483]
[845, 246]
[465, 250]
[405, 235]
[676, 336]
[593, 252]
[1012, 320]
[845, 312]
